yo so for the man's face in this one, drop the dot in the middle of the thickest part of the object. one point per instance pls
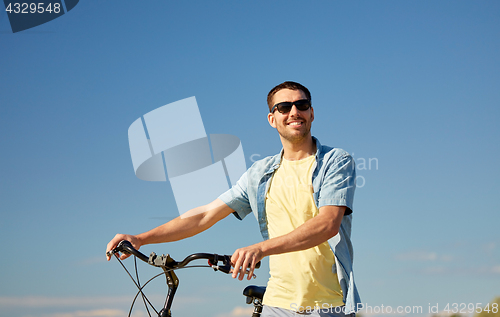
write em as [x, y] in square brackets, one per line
[295, 125]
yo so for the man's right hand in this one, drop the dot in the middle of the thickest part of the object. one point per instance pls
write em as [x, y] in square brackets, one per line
[136, 243]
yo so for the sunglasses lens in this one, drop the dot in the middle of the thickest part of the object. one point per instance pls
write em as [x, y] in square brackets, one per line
[303, 105]
[284, 107]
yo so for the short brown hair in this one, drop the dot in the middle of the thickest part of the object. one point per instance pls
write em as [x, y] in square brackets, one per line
[286, 85]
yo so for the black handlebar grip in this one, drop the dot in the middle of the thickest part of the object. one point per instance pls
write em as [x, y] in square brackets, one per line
[126, 247]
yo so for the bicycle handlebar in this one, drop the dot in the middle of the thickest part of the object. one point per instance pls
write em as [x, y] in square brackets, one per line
[167, 264]
[165, 261]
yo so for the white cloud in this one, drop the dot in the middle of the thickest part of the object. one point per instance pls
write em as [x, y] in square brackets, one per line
[446, 258]
[489, 247]
[90, 301]
[92, 306]
[239, 311]
[92, 313]
[462, 271]
[92, 260]
[424, 256]
[417, 255]
[433, 270]
[46, 301]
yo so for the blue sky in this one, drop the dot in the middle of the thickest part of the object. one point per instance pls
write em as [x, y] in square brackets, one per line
[411, 85]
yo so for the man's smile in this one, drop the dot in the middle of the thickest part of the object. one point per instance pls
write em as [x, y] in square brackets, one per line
[295, 123]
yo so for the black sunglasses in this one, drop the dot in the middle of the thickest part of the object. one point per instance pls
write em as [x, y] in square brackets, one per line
[286, 107]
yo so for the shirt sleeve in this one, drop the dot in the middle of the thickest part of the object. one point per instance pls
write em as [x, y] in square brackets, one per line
[237, 198]
[339, 183]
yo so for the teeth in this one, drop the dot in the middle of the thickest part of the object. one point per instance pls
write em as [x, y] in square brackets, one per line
[295, 123]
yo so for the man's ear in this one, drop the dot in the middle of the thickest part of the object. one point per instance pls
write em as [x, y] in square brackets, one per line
[312, 114]
[271, 119]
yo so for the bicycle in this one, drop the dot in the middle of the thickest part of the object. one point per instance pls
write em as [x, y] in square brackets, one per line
[222, 263]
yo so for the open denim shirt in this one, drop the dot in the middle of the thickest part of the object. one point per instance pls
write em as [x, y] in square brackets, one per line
[334, 182]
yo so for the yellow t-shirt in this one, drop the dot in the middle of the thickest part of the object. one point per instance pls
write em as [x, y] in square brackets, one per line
[304, 279]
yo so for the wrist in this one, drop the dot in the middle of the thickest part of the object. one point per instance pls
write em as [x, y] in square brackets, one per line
[141, 239]
[264, 248]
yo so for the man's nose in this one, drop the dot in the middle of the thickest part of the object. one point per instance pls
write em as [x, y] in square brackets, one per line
[294, 111]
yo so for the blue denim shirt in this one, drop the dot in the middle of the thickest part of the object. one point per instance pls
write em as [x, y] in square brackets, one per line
[334, 182]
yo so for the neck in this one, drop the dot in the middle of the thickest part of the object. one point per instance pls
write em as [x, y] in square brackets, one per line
[298, 150]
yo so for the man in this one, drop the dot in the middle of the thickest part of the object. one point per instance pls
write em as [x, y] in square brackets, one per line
[302, 198]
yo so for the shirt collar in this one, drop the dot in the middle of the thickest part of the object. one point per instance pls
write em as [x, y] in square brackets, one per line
[276, 161]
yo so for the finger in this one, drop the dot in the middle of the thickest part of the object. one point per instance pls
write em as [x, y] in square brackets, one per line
[236, 269]
[244, 268]
[236, 266]
[114, 242]
[234, 258]
[252, 268]
[111, 245]
[123, 256]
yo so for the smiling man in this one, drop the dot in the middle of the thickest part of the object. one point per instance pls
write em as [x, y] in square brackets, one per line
[302, 198]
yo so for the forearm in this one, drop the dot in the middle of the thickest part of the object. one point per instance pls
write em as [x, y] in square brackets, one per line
[174, 230]
[193, 222]
[310, 234]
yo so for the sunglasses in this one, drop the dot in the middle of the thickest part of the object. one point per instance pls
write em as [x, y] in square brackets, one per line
[286, 107]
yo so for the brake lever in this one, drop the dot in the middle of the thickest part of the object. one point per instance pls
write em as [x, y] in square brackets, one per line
[226, 261]
[226, 268]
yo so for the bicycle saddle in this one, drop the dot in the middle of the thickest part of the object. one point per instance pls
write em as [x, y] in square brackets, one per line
[254, 291]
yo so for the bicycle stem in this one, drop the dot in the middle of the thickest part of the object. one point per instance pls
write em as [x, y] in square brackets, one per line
[173, 283]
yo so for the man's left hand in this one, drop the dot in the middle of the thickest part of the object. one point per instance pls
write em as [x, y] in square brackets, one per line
[246, 258]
